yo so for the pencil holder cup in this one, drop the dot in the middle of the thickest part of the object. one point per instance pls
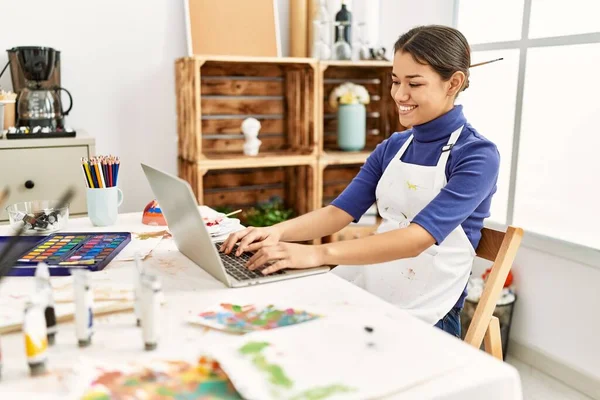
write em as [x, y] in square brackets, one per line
[103, 205]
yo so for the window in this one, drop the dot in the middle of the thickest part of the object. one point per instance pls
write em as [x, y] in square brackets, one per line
[480, 20]
[551, 18]
[489, 105]
[539, 105]
[557, 178]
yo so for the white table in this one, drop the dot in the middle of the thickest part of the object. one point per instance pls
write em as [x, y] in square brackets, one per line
[188, 288]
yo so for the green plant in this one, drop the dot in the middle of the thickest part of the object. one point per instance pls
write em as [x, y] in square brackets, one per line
[268, 213]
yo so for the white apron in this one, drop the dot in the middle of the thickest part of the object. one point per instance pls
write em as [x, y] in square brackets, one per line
[429, 285]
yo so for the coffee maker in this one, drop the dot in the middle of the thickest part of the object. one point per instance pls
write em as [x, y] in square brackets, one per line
[35, 73]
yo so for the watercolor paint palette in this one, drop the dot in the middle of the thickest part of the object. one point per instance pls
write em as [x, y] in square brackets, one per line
[63, 251]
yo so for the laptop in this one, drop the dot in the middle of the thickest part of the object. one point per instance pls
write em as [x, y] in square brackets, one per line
[178, 204]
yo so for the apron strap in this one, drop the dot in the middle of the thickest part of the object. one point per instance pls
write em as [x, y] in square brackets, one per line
[440, 173]
[404, 147]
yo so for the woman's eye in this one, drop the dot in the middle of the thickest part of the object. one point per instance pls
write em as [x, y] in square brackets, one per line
[395, 83]
[414, 84]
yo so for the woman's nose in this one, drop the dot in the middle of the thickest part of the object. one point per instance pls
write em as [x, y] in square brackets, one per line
[401, 94]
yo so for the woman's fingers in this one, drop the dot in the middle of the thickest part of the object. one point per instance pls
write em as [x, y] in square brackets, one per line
[263, 256]
[255, 246]
[232, 239]
[279, 265]
[252, 236]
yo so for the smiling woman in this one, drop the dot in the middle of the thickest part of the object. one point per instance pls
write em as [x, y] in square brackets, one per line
[432, 184]
[431, 66]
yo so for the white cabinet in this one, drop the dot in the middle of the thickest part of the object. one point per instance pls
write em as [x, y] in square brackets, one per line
[42, 169]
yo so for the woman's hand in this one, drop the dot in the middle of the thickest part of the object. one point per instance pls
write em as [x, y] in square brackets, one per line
[251, 239]
[284, 256]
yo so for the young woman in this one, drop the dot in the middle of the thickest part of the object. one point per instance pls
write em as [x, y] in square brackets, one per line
[432, 184]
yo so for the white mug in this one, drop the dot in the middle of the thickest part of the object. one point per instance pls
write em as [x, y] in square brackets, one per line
[103, 205]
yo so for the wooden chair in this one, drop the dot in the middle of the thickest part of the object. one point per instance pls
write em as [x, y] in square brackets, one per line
[500, 248]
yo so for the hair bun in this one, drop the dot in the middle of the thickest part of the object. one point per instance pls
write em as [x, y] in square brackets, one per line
[466, 85]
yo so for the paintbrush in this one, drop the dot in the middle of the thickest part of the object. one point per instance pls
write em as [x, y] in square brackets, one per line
[138, 262]
[233, 213]
[4, 195]
[486, 62]
[7, 261]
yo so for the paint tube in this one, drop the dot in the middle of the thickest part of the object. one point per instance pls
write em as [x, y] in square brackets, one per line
[151, 302]
[137, 302]
[34, 330]
[43, 286]
[84, 319]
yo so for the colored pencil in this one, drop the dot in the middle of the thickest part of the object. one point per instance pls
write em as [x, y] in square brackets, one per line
[94, 176]
[88, 174]
[101, 171]
[87, 182]
[117, 171]
[100, 179]
[110, 171]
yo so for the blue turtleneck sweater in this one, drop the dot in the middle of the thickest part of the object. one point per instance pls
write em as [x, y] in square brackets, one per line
[471, 172]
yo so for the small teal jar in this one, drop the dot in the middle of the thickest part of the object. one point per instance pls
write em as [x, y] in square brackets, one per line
[352, 127]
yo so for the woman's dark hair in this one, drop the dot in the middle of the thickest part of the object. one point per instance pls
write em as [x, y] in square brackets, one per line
[442, 47]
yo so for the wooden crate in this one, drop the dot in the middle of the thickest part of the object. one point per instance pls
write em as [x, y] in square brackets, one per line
[243, 188]
[351, 232]
[382, 116]
[335, 174]
[334, 179]
[215, 94]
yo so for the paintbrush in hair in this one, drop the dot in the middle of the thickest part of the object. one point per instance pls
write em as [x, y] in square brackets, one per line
[7, 260]
[486, 62]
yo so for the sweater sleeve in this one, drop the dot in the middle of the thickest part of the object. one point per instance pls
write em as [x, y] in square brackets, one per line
[472, 179]
[359, 195]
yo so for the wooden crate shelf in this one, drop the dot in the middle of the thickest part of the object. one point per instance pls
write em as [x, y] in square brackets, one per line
[375, 76]
[343, 157]
[262, 160]
[298, 160]
[351, 232]
[215, 94]
[243, 187]
[333, 179]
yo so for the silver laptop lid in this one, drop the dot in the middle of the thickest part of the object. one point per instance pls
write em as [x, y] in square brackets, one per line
[178, 204]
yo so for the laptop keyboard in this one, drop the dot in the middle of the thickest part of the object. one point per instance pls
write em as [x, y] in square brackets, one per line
[236, 266]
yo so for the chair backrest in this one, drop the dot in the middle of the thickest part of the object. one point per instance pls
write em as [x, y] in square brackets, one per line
[500, 248]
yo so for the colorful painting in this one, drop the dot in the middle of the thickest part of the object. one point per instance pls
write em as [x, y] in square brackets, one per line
[164, 380]
[281, 385]
[249, 318]
[353, 355]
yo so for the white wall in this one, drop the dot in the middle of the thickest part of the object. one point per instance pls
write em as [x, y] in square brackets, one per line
[399, 16]
[558, 307]
[118, 63]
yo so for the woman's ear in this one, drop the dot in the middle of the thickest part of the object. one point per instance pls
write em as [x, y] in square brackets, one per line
[456, 82]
